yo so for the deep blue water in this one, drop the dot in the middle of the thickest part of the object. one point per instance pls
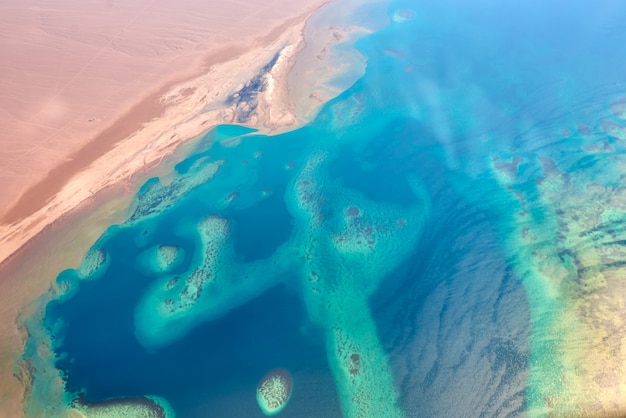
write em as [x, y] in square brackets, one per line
[218, 360]
[222, 359]
[470, 100]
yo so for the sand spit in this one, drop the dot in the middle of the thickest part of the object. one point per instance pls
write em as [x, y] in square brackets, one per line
[221, 95]
[254, 89]
[72, 68]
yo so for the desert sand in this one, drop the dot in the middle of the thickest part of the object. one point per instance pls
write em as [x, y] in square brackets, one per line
[80, 71]
[100, 94]
[36, 169]
[74, 68]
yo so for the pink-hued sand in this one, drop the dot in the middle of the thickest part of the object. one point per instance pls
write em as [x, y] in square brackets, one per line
[83, 77]
[71, 69]
[97, 93]
[144, 121]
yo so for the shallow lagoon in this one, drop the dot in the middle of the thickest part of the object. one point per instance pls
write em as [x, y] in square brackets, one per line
[394, 255]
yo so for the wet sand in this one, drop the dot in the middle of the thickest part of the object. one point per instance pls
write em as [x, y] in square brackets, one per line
[55, 221]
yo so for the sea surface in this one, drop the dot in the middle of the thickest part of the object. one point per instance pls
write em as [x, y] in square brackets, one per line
[446, 238]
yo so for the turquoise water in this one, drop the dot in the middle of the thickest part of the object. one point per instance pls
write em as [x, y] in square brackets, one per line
[414, 251]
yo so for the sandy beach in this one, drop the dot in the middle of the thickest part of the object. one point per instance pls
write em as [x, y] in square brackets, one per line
[128, 94]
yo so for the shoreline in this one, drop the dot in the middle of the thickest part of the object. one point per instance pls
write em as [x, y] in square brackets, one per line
[146, 109]
[73, 208]
[76, 68]
[109, 159]
[58, 234]
[59, 246]
[188, 109]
